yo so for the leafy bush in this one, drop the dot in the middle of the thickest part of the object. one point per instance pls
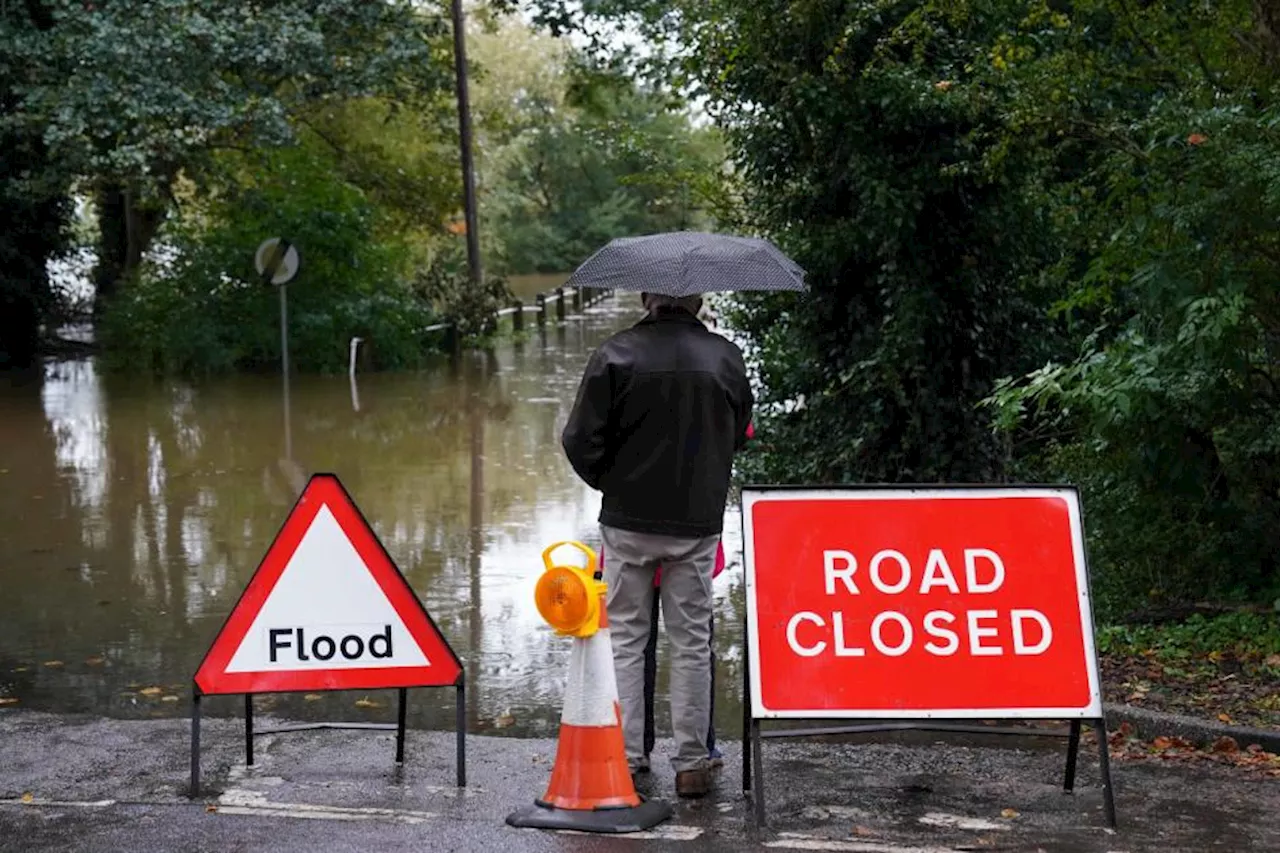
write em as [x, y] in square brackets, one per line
[1242, 635]
[207, 310]
[445, 283]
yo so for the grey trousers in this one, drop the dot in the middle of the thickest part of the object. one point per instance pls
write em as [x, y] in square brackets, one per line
[687, 566]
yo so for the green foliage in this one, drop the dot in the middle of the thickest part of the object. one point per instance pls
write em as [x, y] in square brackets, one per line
[33, 213]
[128, 95]
[207, 310]
[132, 90]
[1067, 209]
[1167, 412]
[445, 283]
[871, 144]
[1241, 635]
[570, 138]
[616, 160]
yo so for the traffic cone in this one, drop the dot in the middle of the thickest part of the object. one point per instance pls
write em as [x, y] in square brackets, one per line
[591, 789]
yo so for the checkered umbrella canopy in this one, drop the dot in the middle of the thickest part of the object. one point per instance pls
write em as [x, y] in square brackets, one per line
[688, 263]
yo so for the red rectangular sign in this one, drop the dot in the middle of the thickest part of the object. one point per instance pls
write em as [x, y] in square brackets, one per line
[904, 602]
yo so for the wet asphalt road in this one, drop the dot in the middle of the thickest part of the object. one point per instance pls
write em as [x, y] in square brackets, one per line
[111, 785]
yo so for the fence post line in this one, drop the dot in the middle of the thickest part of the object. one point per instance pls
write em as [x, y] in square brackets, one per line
[541, 301]
[577, 300]
[517, 319]
[560, 309]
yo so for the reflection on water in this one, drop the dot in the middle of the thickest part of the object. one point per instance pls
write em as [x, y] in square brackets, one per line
[133, 512]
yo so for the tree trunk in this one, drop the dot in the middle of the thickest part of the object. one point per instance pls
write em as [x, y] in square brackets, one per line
[1266, 15]
[126, 229]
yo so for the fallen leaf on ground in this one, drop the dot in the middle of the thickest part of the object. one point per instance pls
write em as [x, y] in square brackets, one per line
[1273, 661]
[151, 691]
[312, 697]
[1009, 813]
[863, 831]
[28, 798]
[210, 809]
[504, 719]
[53, 663]
[7, 700]
[1226, 718]
[168, 698]
[21, 668]
[366, 702]
[1161, 742]
[1226, 744]
[95, 661]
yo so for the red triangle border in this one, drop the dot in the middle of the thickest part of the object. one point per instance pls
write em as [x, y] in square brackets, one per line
[322, 490]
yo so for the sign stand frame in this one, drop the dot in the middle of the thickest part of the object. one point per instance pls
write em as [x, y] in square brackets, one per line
[399, 727]
[753, 733]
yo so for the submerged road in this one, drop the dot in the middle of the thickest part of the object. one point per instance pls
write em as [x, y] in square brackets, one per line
[91, 784]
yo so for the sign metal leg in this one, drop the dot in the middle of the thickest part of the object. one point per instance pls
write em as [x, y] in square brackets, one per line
[400, 721]
[1104, 767]
[195, 744]
[461, 729]
[1073, 750]
[248, 729]
[747, 740]
[757, 795]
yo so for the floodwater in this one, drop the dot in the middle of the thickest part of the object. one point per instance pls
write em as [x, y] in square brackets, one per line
[133, 512]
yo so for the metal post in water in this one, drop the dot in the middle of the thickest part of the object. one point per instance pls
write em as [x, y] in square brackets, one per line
[560, 304]
[284, 360]
[517, 319]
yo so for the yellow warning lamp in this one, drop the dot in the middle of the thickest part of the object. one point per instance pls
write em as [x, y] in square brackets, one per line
[568, 597]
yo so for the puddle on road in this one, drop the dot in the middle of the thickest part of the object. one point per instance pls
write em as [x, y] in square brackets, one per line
[133, 512]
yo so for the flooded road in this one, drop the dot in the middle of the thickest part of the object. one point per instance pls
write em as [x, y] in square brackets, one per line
[133, 512]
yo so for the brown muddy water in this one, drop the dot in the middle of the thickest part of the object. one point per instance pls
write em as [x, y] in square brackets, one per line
[133, 512]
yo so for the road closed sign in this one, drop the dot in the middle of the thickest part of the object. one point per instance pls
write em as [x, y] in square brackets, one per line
[882, 602]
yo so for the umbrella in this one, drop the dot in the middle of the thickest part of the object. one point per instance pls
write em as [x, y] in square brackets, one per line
[688, 263]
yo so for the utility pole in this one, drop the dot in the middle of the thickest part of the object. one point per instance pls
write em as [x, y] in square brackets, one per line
[464, 134]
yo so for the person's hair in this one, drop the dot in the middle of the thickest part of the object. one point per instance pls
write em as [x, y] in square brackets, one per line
[653, 301]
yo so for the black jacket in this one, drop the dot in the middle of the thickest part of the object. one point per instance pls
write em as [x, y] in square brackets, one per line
[662, 408]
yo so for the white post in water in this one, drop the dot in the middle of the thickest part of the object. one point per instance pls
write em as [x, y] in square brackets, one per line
[355, 345]
[351, 372]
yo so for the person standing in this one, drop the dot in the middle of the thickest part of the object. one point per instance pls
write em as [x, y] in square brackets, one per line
[660, 412]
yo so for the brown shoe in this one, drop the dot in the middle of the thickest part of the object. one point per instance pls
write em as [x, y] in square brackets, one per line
[693, 784]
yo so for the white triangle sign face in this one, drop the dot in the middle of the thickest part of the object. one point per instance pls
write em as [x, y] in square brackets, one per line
[326, 612]
[327, 609]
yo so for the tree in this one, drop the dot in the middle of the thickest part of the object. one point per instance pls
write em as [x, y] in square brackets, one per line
[871, 144]
[33, 209]
[573, 152]
[1163, 120]
[205, 309]
[126, 107]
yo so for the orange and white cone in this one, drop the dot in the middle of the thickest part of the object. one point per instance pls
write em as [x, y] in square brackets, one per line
[591, 789]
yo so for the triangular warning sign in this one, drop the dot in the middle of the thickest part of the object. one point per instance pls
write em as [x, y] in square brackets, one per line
[327, 609]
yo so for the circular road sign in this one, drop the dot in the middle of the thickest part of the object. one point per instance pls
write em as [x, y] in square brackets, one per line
[276, 266]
